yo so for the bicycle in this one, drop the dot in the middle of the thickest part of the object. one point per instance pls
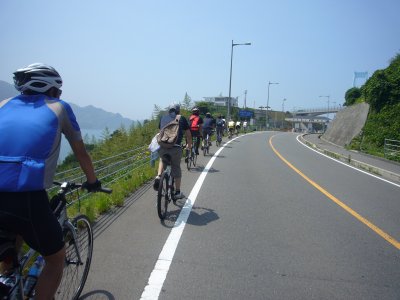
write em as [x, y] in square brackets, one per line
[207, 143]
[78, 239]
[166, 188]
[219, 137]
[230, 133]
[191, 155]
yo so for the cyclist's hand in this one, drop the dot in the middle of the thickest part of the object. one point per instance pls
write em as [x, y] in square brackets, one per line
[188, 146]
[92, 187]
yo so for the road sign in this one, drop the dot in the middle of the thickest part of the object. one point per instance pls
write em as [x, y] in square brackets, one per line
[245, 114]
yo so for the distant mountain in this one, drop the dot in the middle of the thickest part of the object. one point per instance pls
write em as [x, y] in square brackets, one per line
[7, 90]
[89, 117]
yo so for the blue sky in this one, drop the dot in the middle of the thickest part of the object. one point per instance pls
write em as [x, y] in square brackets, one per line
[126, 56]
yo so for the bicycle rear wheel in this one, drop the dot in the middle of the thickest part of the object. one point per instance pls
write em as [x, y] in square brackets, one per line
[162, 197]
[188, 159]
[79, 252]
[194, 158]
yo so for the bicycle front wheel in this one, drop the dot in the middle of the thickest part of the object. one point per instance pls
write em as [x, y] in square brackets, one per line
[79, 250]
[162, 197]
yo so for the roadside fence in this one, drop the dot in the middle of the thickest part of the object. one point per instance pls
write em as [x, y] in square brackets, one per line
[391, 149]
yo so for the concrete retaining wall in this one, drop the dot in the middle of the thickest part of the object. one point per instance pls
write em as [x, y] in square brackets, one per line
[347, 124]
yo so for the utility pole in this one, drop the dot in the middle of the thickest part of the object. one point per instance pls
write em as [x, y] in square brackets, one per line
[245, 95]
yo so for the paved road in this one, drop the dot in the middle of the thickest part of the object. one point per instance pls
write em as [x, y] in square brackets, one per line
[272, 220]
[380, 163]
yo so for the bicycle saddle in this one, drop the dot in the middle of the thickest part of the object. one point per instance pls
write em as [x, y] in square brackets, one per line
[166, 159]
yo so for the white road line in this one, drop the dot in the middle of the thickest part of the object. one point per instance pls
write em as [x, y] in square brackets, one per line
[160, 271]
[340, 162]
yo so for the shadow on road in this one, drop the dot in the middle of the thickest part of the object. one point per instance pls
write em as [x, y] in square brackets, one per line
[199, 216]
[201, 169]
[98, 294]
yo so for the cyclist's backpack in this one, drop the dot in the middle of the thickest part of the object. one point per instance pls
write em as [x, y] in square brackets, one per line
[220, 122]
[169, 133]
[194, 122]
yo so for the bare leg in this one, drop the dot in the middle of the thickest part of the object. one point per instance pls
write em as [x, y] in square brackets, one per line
[178, 184]
[51, 275]
[160, 167]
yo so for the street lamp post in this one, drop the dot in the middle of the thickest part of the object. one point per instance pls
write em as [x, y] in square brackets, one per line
[266, 115]
[267, 121]
[230, 79]
[328, 104]
[328, 109]
[283, 112]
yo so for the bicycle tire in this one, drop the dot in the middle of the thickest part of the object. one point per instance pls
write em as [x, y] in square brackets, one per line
[194, 158]
[75, 272]
[162, 196]
[188, 159]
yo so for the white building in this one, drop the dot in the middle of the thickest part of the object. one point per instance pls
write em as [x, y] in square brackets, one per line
[222, 101]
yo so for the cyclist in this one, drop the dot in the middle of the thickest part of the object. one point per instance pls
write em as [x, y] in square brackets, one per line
[225, 129]
[220, 127]
[237, 127]
[245, 126]
[196, 123]
[231, 127]
[30, 130]
[208, 126]
[175, 152]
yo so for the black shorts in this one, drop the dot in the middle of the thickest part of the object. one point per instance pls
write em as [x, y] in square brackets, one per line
[29, 214]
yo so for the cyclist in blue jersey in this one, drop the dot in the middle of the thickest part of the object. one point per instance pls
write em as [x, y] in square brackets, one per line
[208, 126]
[30, 134]
[220, 125]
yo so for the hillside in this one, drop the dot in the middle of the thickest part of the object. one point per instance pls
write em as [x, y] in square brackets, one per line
[382, 93]
[89, 117]
[7, 90]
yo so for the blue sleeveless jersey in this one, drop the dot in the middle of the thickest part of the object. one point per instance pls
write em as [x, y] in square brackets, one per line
[30, 137]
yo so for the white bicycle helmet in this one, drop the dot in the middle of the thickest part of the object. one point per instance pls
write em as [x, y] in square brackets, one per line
[37, 77]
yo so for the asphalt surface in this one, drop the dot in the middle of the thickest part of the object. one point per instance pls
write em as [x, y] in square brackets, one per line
[378, 162]
[272, 220]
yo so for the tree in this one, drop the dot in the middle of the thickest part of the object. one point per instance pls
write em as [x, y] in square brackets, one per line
[187, 102]
[376, 90]
[156, 111]
[352, 95]
[383, 88]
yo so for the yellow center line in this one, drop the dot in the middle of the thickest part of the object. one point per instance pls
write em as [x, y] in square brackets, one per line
[363, 220]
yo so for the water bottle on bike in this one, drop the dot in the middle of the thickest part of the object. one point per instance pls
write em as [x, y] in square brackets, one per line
[33, 275]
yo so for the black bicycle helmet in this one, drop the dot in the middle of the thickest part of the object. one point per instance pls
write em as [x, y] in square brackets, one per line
[37, 77]
[173, 107]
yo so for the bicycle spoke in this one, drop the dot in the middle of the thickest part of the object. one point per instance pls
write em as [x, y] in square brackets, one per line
[76, 270]
[162, 197]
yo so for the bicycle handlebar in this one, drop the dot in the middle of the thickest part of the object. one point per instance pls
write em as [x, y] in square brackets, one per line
[69, 186]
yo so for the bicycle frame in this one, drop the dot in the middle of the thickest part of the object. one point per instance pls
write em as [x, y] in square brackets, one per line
[71, 227]
[59, 206]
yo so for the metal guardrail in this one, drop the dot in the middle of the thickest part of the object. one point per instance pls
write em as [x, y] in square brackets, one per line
[109, 169]
[331, 109]
[391, 148]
